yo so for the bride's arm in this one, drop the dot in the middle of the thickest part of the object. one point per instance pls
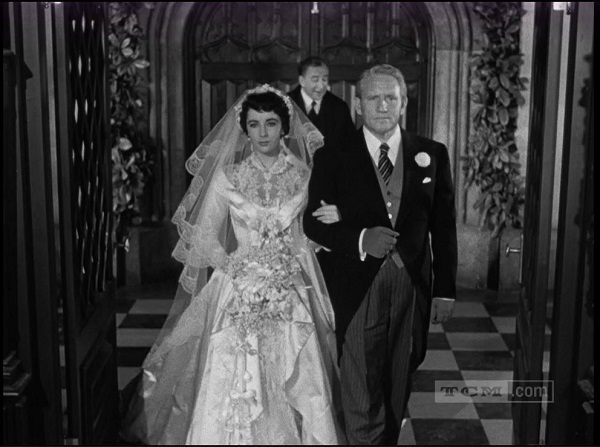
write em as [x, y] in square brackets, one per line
[210, 233]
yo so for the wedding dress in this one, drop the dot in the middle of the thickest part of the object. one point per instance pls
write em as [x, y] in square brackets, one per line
[227, 373]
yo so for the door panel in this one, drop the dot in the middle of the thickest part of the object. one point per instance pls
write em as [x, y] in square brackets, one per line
[85, 203]
[531, 318]
[239, 45]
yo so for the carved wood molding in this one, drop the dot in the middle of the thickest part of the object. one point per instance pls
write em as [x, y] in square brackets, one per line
[15, 377]
[14, 395]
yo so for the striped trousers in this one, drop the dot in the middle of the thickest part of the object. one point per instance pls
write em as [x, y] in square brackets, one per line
[374, 365]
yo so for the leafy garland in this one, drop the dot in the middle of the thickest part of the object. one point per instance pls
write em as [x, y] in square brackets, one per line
[132, 164]
[492, 160]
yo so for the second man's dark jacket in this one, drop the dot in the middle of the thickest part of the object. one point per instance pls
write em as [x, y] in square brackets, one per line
[334, 119]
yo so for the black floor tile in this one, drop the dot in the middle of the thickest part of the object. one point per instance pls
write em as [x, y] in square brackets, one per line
[476, 295]
[161, 291]
[124, 305]
[449, 432]
[131, 356]
[437, 340]
[502, 309]
[484, 360]
[424, 380]
[143, 321]
[469, 324]
[510, 340]
[493, 411]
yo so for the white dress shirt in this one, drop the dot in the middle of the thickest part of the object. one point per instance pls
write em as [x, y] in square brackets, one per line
[308, 102]
[373, 144]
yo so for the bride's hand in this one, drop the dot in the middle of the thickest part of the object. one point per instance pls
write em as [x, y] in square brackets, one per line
[327, 214]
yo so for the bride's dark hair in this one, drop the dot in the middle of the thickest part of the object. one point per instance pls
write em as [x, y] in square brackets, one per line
[266, 102]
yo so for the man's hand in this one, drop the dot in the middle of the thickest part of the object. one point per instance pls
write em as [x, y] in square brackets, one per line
[327, 214]
[378, 241]
[441, 310]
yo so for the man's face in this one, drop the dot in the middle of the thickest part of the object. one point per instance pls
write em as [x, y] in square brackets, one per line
[315, 81]
[381, 105]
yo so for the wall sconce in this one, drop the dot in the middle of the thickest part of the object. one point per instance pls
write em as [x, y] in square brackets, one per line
[563, 6]
[315, 8]
[47, 4]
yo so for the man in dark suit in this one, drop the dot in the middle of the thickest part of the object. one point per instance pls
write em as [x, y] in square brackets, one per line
[395, 196]
[329, 113]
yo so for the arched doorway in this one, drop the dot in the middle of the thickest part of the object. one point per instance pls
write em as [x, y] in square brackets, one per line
[234, 46]
[176, 127]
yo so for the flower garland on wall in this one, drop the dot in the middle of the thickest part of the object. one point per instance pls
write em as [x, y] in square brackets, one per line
[492, 160]
[132, 163]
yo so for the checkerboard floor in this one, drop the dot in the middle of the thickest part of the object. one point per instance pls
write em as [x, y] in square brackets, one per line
[476, 344]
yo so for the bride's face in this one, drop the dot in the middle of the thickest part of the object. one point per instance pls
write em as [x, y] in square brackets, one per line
[264, 130]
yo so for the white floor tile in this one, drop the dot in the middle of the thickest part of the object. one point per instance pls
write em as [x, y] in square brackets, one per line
[125, 375]
[136, 338]
[439, 361]
[498, 431]
[407, 435]
[470, 309]
[120, 318]
[469, 341]
[155, 307]
[505, 325]
[436, 328]
[487, 375]
[424, 406]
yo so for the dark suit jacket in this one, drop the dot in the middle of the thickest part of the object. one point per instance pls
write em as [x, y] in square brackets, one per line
[334, 119]
[426, 218]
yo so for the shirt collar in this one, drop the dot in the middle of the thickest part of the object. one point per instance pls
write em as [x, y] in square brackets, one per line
[308, 100]
[373, 144]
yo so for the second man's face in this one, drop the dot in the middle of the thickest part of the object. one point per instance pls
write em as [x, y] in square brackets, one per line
[315, 82]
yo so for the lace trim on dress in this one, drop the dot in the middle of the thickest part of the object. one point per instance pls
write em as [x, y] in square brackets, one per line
[268, 187]
[199, 246]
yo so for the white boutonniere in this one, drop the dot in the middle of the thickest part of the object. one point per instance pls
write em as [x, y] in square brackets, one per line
[423, 159]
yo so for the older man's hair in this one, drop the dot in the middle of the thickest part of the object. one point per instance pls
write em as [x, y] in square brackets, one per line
[311, 61]
[383, 69]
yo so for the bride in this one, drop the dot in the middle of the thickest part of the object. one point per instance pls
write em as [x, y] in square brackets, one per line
[250, 357]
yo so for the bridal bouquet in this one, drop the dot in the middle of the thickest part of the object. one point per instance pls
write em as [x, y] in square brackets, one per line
[264, 276]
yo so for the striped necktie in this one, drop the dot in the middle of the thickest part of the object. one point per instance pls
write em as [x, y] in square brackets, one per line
[385, 164]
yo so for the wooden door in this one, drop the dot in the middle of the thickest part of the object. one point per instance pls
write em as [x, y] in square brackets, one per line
[531, 318]
[85, 221]
[38, 416]
[237, 45]
[571, 416]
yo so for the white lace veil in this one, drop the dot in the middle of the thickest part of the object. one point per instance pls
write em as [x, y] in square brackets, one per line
[225, 145]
